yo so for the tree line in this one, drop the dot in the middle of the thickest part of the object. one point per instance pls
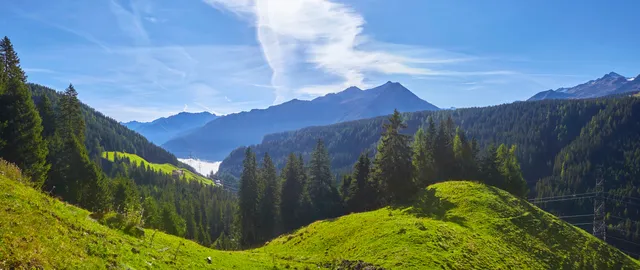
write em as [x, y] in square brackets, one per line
[58, 143]
[270, 204]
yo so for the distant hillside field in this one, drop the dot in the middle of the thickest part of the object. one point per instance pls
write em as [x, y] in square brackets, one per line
[166, 168]
[456, 225]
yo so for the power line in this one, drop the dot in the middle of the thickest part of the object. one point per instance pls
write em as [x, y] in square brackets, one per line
[560, 200]
[581, 224]
[620, 239]
[574, 216]
[629, 252]
[563, 196]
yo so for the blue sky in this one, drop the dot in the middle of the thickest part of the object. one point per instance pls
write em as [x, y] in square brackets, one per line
[143, 59]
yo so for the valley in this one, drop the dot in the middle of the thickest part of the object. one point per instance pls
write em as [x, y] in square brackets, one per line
[319, 134]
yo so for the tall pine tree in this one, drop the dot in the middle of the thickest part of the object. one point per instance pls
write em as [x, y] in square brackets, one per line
[363, 191]
[20, 123]
[74, 176]
[292, 189]
[392, 166]
[269, 205]
[423, 161]
[322, 193]
[249, 200]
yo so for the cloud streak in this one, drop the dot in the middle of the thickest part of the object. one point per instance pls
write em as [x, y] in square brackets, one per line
[329, 38]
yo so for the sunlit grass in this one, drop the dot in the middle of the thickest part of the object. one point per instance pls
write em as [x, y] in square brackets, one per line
[164, 168]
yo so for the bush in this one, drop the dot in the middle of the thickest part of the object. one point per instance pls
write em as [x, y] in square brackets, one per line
[11, 171]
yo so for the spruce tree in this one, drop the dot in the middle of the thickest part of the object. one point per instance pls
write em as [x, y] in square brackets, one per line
[322, 193]
[20, 123]
[345, 191]
[490, 168]
[48, 116]
[363, 191]
[392, 165]
[10, 63]
[249, 200]
[510, 171]
[423, 163]
[74, 176]
[443, 151]
[269, 205]
[291, 193]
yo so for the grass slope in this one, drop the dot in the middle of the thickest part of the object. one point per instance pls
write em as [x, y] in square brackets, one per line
[37, 231]
[165, 168]
[456, 225]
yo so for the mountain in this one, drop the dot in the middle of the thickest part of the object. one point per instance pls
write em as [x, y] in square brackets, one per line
[632, 85]
[563, 147]
[163, 129]
[219, 137]
[456, 225]
[611, 83]
[550, 94]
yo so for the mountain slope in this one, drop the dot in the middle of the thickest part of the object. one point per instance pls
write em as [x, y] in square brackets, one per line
[39, 232]
[219, 137]
[106, 133]
[455, 225]
[550, 94]
[610, 83]
[162, 168]
[163, 129]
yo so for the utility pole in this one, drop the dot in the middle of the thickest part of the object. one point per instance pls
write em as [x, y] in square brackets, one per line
[599, 222]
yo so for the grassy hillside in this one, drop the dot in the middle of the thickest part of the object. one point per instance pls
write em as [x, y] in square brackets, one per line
[165, 168]
[37, 231]
[457, 225]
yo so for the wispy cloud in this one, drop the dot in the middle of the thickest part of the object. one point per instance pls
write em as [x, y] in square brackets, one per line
[130, 22]
[329, 36]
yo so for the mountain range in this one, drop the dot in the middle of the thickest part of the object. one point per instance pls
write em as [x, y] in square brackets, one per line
[216, 139]
[163, 129]
[610, 84]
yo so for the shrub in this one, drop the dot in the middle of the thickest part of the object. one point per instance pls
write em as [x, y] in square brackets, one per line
[11, 171]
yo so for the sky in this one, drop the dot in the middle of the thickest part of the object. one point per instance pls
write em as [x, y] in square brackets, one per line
[145, 59]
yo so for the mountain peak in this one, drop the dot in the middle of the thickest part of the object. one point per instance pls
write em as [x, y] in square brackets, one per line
[612, 75]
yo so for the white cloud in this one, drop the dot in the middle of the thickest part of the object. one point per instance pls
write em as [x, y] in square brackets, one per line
[328, 36]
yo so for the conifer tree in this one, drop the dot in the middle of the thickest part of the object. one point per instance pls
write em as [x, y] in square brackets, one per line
[10, 63]
[269, 206]
[443, 151]
[74, 176]
[20, 123]
[322, 193]
[510, 170]
[392, 165]
[345, 191]
[291, 193]
[490, 168]
[249, 200]
[363, 191]
[48, 116]
[423, 162]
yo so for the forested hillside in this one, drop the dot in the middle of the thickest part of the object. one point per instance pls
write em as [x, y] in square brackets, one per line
[563, 148]
[58, 143]
[106, 134]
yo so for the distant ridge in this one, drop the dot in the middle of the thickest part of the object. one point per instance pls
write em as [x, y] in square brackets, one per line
[610, 83]
[163, 129]
[216, 139]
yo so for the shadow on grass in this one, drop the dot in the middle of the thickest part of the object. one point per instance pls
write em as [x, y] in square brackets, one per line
[427, 204]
